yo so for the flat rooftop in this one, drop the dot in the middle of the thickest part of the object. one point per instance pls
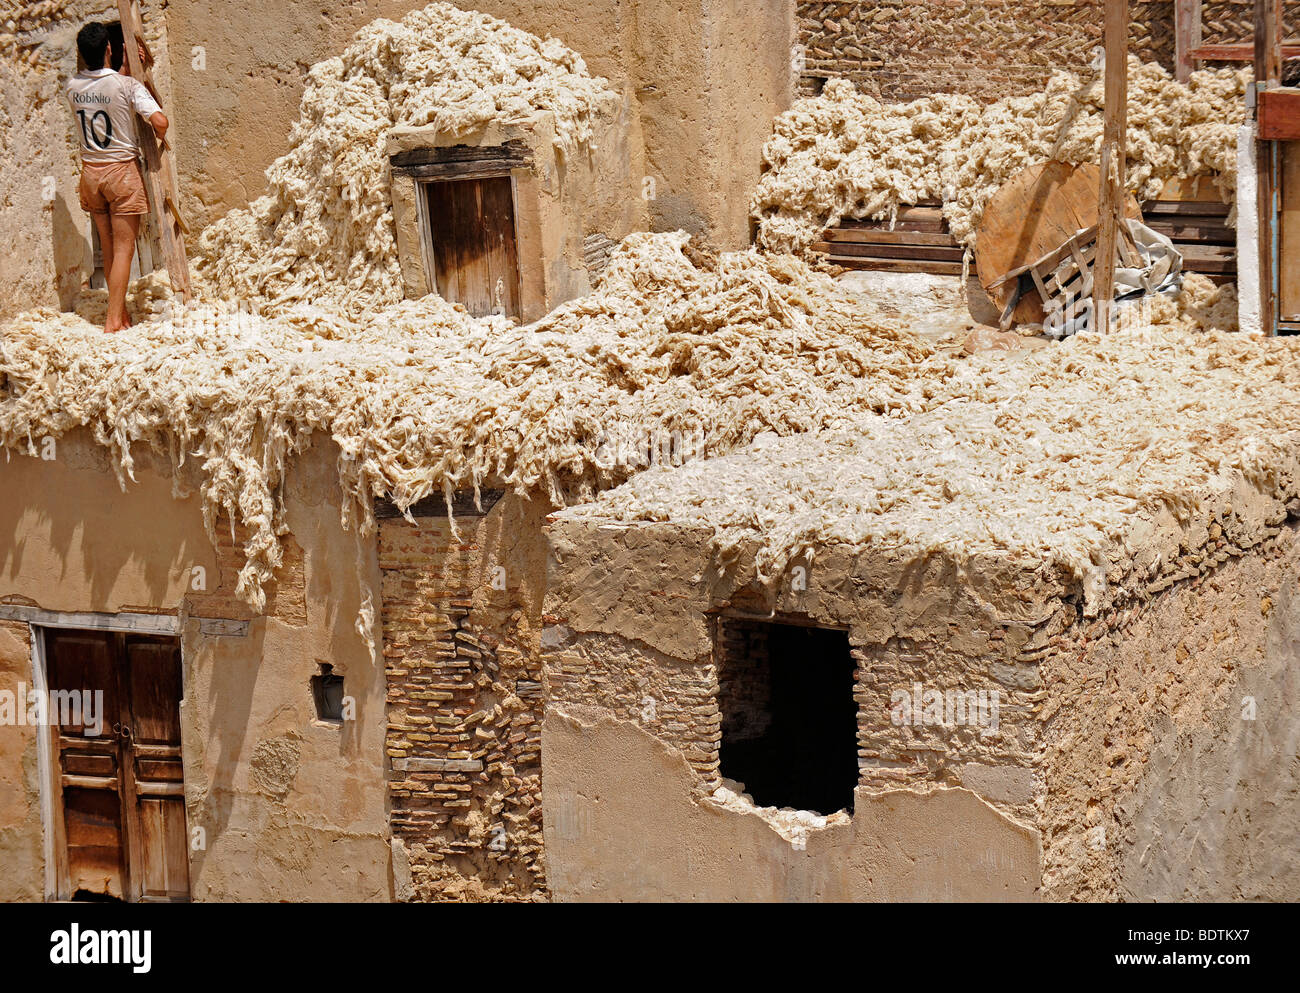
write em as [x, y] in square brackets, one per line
[1073, 455]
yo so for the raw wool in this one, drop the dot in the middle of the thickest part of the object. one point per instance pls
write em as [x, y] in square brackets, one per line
[843, 154]
[149, 298]
[323, 232]
[423, 399]
[1051, 459]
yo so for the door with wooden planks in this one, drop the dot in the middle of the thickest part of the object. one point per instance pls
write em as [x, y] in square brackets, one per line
[1289, 239]
[471, 229]
[119, 796]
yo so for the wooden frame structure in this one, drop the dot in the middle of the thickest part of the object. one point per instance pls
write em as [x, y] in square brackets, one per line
[1067, 275]
[159, 162]
[1276, 116]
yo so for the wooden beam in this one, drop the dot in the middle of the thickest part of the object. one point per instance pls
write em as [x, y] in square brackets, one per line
[1187, 37]
[159, 163]
[1244, 52]
[1279, 115]
[1268, 41]
[136, 623]
[1113, 149]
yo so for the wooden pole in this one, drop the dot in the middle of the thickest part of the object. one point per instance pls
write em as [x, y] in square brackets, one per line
[1268, 72]
[1187, 37]
[1113, 150]
[159, 166]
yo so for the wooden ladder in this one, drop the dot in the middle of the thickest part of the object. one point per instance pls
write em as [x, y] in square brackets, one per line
[159, 161]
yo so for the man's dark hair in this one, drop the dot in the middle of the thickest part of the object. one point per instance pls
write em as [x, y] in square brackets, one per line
[92, 43]
[116, 46]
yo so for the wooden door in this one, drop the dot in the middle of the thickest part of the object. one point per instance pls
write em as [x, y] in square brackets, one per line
[153, 792]
[90, 850]
[1289, 236]
[472, 233]
[120, 810]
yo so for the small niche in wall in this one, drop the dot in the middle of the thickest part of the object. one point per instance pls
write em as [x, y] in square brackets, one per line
[789, 718]
[327, 691]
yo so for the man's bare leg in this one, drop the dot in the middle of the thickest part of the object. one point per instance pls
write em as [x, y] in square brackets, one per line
[105, 228]
[125, 228]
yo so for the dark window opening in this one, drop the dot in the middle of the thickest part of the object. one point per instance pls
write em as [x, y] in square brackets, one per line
[789, 719]
[327, 691]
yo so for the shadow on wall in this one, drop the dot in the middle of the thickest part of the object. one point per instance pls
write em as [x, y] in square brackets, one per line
[104, 540]
[71, 249]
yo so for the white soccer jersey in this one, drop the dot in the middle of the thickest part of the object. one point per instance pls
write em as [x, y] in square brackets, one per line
[105, 104]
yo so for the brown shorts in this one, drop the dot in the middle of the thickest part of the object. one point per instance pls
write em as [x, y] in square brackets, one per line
[113, 188]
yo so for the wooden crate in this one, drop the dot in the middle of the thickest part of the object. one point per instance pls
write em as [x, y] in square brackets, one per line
[1189, 212]
[919, 242]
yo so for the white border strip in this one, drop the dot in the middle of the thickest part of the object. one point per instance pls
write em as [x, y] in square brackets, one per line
[44, 765]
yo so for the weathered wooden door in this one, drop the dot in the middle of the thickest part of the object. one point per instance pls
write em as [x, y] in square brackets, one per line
[120, 796]
[472, 228]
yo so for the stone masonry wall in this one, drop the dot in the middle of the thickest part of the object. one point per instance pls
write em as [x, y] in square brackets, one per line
[1178, 780]
[465, 701]
[903, 49]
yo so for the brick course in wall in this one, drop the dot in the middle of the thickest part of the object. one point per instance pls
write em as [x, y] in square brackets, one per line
[673, 700]
[903, 49]
[286, 595]
[464, 709]
[744, 678]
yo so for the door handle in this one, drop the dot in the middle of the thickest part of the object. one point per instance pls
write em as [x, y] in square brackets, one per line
[126, 732]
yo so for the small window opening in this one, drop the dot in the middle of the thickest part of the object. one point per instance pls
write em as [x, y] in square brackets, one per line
[789, 718]
[327, 691]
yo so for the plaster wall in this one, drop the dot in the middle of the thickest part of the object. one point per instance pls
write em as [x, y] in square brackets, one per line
[291, 807]
[1145, 746]
[631, 689]
[1180, 778]
[701, 82]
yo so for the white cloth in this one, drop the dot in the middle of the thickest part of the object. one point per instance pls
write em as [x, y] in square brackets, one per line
[105, 104]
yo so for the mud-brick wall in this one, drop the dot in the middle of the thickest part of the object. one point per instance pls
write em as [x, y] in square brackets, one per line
[1174, 776]
[464, 701]
[673, 700]
[744, 679]
[986, 48]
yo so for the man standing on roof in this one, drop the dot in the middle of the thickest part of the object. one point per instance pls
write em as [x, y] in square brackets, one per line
[105, 104]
